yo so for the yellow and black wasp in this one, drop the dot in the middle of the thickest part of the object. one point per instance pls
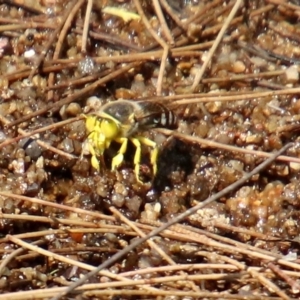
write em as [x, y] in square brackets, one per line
[122, 121]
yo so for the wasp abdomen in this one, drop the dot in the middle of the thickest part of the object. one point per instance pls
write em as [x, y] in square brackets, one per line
[155, 115]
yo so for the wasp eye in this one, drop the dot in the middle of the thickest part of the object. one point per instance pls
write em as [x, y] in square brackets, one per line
[109, 129]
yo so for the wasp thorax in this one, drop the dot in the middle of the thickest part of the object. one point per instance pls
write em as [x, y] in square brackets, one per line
[109, 129]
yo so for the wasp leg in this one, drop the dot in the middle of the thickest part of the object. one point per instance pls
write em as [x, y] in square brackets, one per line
[118, 159]
[94, 160]
[154, 152]
[90, 142]
[137, 157]
[95, 144]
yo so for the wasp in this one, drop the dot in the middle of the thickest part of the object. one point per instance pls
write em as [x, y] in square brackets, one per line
[122, 121]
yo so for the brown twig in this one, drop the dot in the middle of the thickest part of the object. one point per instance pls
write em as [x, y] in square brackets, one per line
[217, 41]
[62, 258]
[57, 205]
[86, 26]
[159, 40]
[78, 81]
[173, 15]
[110, 289]
[269, 285]
[213, 144]
[27, 23]
[59, 43]
[289, 5]
[14, 254]
[22, 4]
[113, 40]
[51, 39]
[163, 23]
[291, 282]
[66, 232]
[161, 71]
